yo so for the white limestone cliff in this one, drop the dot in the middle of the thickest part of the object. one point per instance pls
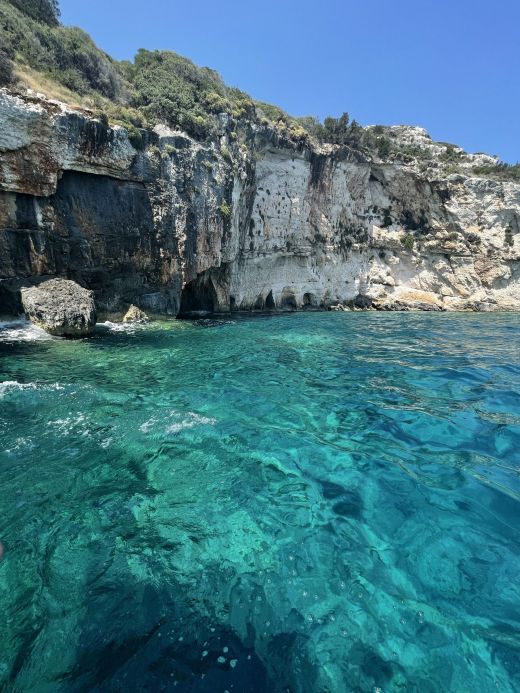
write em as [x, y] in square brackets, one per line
[249, 221]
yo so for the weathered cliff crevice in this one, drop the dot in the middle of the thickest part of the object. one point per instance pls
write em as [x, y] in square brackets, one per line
[249, 221]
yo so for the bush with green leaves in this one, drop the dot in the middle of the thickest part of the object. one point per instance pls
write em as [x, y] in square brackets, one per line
[409, 152]
[384, 147]
[6, 64]
[501, 171]
[168, 87]
[450, 154]
[226, 154]
[408, 242]
[271, 113]
[225, 209]
[65, 54]
[46, 11]
[343, 131]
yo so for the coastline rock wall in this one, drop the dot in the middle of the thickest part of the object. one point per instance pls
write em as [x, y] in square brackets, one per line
[245, 222]
[332, 229]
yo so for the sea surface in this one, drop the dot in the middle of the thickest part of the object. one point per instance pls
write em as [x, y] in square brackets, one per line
[318, 502]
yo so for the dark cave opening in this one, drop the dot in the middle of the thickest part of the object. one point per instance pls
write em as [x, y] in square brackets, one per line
[288, 300]
[309, 300]
[269, 301]
[198, 297]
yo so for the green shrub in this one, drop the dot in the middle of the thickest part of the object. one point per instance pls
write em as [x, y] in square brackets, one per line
[170, 88]
[225, 209]
[408, 242]
[272, 113]
[413, 151]
[66, 54]
[46, 11]
[6, 65]
[336, 130]
[501, 171]
[135, 136]
[384, 147]
[216, 103]
[226, 154]
[345, 132]
[311, 125]
[450, 154]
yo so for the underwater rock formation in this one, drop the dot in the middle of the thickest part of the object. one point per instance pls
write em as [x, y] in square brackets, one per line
[248, 220]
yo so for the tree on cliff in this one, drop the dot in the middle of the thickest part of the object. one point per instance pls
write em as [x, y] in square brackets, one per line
[6, 66]
[46, 11]
[336, 130]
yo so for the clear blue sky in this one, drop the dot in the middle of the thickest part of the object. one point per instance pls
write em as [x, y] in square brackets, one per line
[451, 66]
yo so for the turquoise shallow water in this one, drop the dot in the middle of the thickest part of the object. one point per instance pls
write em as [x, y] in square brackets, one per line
[308, 502]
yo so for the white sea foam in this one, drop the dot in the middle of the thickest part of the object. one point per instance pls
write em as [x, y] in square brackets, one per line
[9, 386]
[175, 421]
[190, 421]
[21, 445]
[129, 327]
[21, 330]
[73, 423]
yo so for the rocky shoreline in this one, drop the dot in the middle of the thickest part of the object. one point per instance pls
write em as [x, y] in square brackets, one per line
[64, 309]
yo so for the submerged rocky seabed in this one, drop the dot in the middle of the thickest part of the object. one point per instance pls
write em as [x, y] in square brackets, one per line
[307, 502]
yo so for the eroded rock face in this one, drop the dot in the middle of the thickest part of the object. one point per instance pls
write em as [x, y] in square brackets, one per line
[191, 227]
[61, 307]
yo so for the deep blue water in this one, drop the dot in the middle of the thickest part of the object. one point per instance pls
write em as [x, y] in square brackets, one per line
[305, 503]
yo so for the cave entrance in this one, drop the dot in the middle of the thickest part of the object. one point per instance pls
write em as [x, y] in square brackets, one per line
[288, 299]
[309, 300]
[269, 301]
[198, 297]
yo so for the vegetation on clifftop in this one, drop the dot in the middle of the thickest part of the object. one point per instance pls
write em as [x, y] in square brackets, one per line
[501, 171]
[46, 11]
[161, 86]
[167, 87]
[66, 55]
[158, 86]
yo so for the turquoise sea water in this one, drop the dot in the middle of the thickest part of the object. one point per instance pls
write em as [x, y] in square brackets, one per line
[308, 502]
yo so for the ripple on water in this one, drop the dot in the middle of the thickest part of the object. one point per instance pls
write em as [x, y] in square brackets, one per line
[175, 421]
[308, 502]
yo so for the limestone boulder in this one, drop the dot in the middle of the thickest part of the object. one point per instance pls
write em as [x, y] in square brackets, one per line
[135, 314]
[61, 307]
